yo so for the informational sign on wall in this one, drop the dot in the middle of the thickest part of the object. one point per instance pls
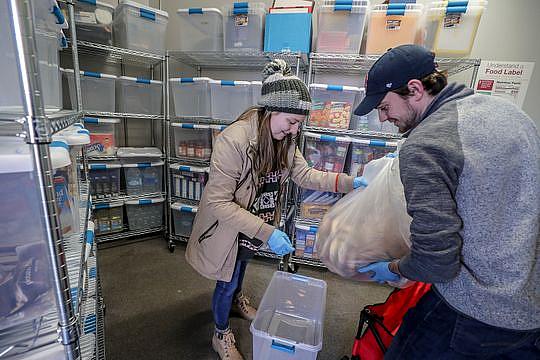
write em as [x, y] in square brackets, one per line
[506, 79]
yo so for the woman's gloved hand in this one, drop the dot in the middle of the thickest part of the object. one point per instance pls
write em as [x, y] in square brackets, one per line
[279, 243]
[360, 182]
[381, 272]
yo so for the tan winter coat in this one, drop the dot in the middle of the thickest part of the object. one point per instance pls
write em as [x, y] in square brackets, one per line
[231, 189]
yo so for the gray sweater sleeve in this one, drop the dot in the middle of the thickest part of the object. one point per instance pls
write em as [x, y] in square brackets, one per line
[429, 168]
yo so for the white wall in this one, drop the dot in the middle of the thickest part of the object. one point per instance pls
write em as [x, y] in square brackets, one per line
[507, 32]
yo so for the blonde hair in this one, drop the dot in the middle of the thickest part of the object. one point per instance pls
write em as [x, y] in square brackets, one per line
[271, 154]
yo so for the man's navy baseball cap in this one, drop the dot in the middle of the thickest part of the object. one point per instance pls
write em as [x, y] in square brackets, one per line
[393, 70]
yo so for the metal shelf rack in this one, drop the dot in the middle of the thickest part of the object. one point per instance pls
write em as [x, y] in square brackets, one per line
[125, 197]
[126, 233]
[116, 55]
[123, 115]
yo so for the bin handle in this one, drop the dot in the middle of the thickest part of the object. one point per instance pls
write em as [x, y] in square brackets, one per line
[283, 347]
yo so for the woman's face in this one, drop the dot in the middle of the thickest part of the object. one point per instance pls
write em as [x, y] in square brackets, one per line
[283, 124]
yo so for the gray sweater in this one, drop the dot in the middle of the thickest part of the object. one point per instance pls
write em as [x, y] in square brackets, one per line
[471, 174]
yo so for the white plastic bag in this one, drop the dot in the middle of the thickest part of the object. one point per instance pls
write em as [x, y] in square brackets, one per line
[367, 225]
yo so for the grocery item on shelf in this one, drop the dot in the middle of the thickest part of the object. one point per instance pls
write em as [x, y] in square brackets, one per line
[138, 95]
[333, 105]
[104, 179]
[304, 244]
[192, 140]
[102, 135]
[229, 99]
[97, 90]
[391, 25]
[183, 216]
[314, 204]
[144, 213]
[188, 181]
[108, 217]
[365, 150]
[202, 30]
[140, 27]
[94, 21]
[191, 96]
[243, 26]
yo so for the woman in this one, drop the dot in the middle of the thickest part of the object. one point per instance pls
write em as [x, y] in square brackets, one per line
[240, 206]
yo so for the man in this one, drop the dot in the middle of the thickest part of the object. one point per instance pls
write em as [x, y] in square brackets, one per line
[470, 168]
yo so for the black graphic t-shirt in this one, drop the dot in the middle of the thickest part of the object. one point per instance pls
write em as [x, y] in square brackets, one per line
[264, 206]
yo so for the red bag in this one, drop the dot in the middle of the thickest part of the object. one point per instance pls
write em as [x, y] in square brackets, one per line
[382, 321]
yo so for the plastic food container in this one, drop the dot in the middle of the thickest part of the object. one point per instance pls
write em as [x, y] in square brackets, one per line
[365, 150]
[63, 181]
[144, 213]
[94, 21]
[188, 181]
[244, 25]
[143, 178]
[451, 26]
[25, 254]
[333, 105]
[108, 217]
[290, 318]
[202, 29]
[102, 136]
[97, 90]
[183, 216]
[229, 99]
[341, 27]
[191, 96]
[139, 27]
[305, 238]
[138, 95]
[392, 25]
[256, 89]
[325, 152]
[49, 71]
[104, 179]
[193, 141]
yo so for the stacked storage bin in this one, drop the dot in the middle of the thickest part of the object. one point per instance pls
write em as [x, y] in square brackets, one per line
[193, 141]
[365, 150]
[188, 181]
[94, 21]
[139, 27]
[104, 179]
[183, 217]
[102, 136]
[63, 180]
[191, 96]
[333, 105]
[108, 217]
[144, 213]
[229, 99]
[138, 95]
[290, 318]
[325, 153]
[341, 26]
[451, 26]
[304, 242]
[392, 25]
[49, 70]
[143, 170]
[256, 89]
[243, 26]
[97, 90]
[202, 29]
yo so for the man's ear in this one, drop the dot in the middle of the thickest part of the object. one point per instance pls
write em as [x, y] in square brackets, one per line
[417, 91]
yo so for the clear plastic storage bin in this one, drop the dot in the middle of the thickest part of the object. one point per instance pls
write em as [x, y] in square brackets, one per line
[144, 213]
[290, 318]
[102, 136]
[202, 29]
[451, 26]
[188, 181]
[183, 216]
[63, 182]
[393, 25]
[365, 150]
[244, 26]
[138, 153]
[325, 152]
[10, 96]
[97, 90]
[24, 259]
[333, 105]
[229, 98]
[374, 124]
[139, 27]
[191, 96]
[104, 179]
[108, 217]
[138, 95]
[304, 241]
[192, 141]
[94, 21]
[143, 178]
[49, 70]
[341, 27]
[256, 89]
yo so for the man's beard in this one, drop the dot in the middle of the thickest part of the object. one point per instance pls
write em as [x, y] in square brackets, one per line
[410, 120]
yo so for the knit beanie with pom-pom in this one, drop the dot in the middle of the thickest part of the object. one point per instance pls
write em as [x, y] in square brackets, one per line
[283, 92]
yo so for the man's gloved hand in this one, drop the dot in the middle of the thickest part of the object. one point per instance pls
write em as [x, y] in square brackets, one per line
[381, 272]
[279, 243]
[360, 182]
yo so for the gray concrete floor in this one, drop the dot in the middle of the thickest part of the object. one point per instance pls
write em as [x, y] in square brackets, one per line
[158, 307]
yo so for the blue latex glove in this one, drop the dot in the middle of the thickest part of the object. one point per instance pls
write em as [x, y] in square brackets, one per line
[279, 243]
[360, 182]
[391, 155]
[381, 272]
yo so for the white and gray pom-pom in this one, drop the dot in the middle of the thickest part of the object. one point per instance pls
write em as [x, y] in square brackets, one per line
[276, 66]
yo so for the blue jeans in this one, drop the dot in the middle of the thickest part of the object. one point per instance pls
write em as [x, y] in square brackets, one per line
[434, 330]
[225, 293]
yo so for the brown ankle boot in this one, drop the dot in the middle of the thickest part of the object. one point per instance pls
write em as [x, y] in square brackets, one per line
[224, 344]
[241, 306]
